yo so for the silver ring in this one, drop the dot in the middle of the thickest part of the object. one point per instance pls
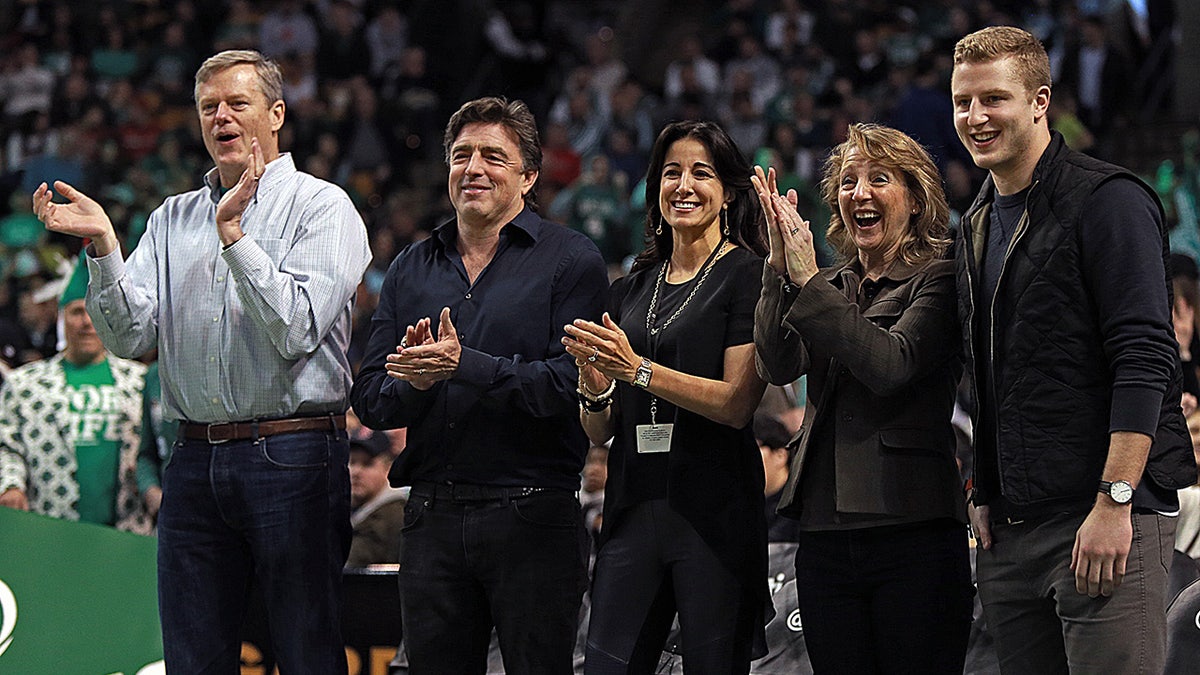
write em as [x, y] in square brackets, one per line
[404, 342]
[420, 371]
[795, 230]
[595, 353]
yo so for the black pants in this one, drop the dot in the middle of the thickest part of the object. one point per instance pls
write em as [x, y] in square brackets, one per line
[518, 564]
[653, 566]
[893, 599]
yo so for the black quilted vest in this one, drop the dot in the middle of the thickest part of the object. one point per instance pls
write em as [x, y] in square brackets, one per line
[1052, 378]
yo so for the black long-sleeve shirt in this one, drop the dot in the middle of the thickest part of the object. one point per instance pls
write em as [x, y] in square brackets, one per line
[509, 416]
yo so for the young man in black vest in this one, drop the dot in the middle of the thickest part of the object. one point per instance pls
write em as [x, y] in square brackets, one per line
[1079, 439]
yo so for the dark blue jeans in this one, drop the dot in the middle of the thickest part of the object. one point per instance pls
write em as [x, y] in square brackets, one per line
[277, 510]
[519, 564]
[892, 599]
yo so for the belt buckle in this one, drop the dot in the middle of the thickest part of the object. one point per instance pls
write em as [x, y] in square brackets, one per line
[208, 433]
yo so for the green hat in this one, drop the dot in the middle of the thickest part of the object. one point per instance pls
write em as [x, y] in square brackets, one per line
[77, 283]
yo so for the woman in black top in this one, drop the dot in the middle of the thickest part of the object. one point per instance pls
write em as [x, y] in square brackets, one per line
[669, 377]
[882, 570]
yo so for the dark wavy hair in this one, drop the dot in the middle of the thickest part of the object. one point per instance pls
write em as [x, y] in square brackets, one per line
[747, 227]
[515, 116]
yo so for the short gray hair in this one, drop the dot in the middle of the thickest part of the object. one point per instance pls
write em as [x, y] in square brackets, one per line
[270, 79]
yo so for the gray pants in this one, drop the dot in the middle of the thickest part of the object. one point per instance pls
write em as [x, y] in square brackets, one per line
[1042, 625]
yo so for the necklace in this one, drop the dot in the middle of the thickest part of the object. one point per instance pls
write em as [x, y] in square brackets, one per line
[652, 311]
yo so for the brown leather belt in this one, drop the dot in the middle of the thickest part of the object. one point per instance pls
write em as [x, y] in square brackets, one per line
[240, 431]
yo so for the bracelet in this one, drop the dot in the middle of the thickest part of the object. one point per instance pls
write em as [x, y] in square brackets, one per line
[593, 406]
[603, 396]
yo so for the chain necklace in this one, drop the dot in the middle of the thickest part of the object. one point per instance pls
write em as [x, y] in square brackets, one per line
[652, 311]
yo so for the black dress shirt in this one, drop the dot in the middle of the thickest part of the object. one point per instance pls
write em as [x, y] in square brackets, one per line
[509, 417]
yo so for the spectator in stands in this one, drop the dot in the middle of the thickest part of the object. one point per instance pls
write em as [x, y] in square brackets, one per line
[1096, 75]
[691, 72]
[1185, 284]
[156, 441]
[494, 449]
[69, 428]
[1187, 536]
[591, 493]
[673, 387]
[245, 286]
[288, 29]
[377, 509]
[595, 205]
[341, 55]
[1064, 299]
[772, 439]
[387, 38]
[883, 573]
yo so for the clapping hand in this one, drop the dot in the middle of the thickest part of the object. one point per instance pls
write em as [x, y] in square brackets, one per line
[233, 203]
[791, 241]
[422, 359]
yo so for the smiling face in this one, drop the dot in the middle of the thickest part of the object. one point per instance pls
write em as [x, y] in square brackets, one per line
[876, 207]
[233, 111]
[83, 344]
[487, 179]
[1002, 124]
[691, 195]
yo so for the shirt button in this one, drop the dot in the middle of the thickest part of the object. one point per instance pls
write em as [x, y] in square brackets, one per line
[216, 319]
[468, 296]
[848, 416]
[451, 425]
[220, 278]
[215, 399]
[211, 359]
[449, 467]
[462, 336]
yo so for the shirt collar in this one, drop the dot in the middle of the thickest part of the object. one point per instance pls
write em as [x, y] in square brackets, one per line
[898, 271]
[527, 222]
[273, 174]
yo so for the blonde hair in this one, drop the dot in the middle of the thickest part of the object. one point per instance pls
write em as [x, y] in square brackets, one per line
[270, 79]
[997, 42]
[926, 235]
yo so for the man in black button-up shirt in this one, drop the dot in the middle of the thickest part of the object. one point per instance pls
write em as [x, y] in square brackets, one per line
[465, 351]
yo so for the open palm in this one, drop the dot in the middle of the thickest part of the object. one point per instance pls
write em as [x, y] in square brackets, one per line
[81, 216]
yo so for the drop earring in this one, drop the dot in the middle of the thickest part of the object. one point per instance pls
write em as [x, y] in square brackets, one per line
[658, 228]
[725, 220]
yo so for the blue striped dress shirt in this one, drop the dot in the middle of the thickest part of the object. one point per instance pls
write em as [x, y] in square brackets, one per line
[257, 330]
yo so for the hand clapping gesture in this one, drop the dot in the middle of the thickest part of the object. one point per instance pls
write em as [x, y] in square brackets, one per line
[421, 359]
[604, 350]
[791, 241]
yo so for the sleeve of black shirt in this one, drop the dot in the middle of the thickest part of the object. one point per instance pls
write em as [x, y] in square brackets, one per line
[1123, 268]
[545, 388]
[380, 401]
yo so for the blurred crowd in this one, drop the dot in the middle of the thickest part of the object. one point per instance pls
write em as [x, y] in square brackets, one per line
[99, 94]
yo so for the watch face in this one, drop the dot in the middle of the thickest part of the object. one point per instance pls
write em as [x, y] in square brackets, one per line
[1121, 492]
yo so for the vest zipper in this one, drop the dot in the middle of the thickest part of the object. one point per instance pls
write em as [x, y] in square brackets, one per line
[1022, 227]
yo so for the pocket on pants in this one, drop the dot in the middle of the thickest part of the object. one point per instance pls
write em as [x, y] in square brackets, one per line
[554, 511]
[413, 510]
[295, 451]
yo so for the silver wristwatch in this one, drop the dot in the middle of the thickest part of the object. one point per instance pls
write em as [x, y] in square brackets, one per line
[642, 377]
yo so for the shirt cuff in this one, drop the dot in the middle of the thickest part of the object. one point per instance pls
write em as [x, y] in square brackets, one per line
[1135, 409]
[475, 367]
[106, 270]
[244, 256]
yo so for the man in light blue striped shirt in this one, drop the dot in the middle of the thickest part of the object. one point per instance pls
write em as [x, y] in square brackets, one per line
[246, 287]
